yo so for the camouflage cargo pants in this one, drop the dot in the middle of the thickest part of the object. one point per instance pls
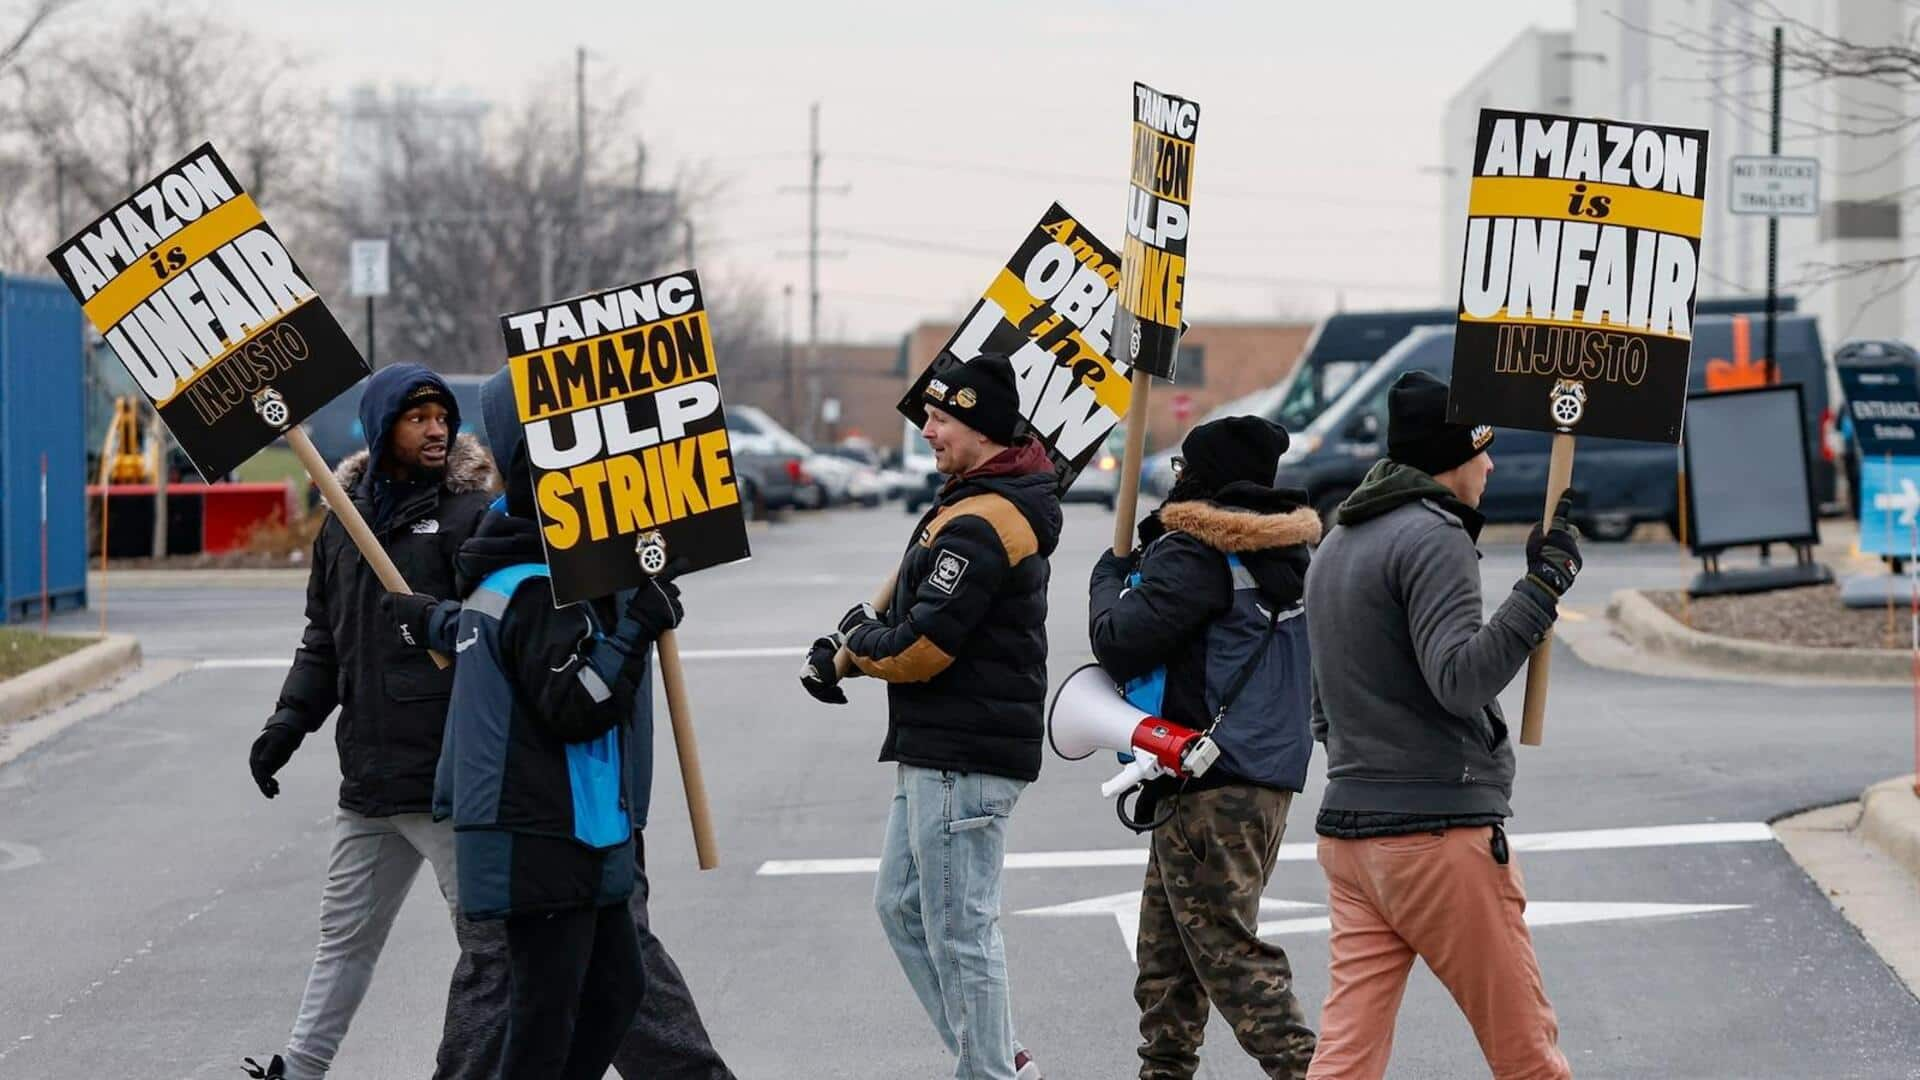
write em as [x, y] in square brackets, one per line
[1198, 944]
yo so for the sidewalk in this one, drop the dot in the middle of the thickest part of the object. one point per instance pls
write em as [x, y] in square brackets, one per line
[1865, 856]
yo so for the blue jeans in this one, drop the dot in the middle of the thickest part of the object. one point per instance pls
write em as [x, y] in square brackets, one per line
[938, 895]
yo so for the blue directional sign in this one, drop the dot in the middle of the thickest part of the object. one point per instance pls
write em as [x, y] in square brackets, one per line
[1883, 405]
[1889, 505]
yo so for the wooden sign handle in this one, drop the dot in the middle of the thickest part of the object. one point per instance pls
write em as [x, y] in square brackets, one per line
[680, 714]
[1533, 715]
[882, 600]
[1126, 504]
[349, 515]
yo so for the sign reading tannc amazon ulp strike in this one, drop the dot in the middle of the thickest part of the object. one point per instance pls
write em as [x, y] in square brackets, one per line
[626, 434]
[1580, 275]
[1153, 270]
[209, 313]
[1050, 309]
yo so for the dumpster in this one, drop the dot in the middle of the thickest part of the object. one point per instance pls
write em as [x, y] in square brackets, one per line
[42, 420]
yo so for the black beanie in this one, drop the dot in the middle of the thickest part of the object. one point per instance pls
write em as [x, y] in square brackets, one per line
[1231, 449]
[1418, 432]
[980, 394]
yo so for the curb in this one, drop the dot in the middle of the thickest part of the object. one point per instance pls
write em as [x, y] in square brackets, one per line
[1890, 821]
[1645, 626]
[52, 685]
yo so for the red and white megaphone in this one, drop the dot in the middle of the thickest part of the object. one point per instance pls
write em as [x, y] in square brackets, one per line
[1089, 715]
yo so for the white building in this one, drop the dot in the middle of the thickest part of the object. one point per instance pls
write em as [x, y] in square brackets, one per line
[374, 128]
[1674, 63]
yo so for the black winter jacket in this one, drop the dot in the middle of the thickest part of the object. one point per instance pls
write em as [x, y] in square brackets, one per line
[964, 644]
[392, 699]
[1186, 584]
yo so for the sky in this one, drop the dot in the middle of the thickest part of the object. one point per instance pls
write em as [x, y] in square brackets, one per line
[953, 126]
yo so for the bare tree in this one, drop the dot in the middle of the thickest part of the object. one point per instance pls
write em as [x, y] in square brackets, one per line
[527, 213]
[100, 110]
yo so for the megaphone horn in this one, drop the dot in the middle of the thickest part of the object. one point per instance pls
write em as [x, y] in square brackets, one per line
[1089, 714]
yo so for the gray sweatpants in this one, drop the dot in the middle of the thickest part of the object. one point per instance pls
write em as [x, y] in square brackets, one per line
[373, 866]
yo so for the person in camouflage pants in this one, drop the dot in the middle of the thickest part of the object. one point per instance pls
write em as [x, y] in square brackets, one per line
[1199, 914]
[1211, 604]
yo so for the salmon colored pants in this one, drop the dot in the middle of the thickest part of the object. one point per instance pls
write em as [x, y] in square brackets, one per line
[1444, 898]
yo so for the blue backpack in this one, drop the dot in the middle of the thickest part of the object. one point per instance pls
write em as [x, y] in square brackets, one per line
[1259, 689]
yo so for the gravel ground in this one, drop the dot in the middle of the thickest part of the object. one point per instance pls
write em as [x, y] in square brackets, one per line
[1811, 616]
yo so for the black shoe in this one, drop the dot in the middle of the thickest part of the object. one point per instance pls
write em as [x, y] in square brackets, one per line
[275, 1069]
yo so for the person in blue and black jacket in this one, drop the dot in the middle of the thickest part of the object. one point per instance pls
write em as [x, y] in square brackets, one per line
[543, 773]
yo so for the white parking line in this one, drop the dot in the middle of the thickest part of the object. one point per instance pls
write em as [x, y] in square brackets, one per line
[1714, 832]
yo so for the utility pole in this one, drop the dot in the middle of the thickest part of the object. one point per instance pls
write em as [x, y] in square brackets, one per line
[1773, 221]
[813, 269]
[579, 156]
[686, 225]
[813, 256]
[786, 354]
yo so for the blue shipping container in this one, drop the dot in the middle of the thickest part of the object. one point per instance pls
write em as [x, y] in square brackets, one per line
[41, 412]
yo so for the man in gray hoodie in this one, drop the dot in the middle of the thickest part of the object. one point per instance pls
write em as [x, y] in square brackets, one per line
[1419, 766]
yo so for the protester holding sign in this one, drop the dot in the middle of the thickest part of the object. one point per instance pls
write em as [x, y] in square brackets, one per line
[1419, 765]
[1202, 625]
[423, 487]
[667, 1036]
[1202, 622]
[547, 739]
[963, 649]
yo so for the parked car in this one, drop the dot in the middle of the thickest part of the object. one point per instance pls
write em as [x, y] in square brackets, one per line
[1099, 482]
[865, 482]
[1624, 482]
[755, 433]
[923, 477]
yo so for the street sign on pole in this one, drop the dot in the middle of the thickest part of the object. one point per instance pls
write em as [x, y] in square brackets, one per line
[1773, 185]
[368, 272]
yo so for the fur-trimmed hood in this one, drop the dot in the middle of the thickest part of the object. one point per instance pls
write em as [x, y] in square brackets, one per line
[469, 468]
[1237, 529]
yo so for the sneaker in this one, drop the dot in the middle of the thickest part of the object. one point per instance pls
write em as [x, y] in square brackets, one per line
[1024, 1067]
[276, 1069]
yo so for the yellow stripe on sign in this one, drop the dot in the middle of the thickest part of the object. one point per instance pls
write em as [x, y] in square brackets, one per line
[664, 364]
[197, 240]
[1505, 319]
[1540, 197]
[1113, 392]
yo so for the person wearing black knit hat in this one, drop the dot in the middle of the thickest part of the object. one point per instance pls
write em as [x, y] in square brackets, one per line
[1214, 591]
[963, 651]
[1406, 677]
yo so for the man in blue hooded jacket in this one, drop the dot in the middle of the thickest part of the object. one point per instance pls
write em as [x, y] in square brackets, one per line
[422, 487]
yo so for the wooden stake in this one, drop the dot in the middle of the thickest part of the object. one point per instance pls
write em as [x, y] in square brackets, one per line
[680, 714]
[349, 515]
[1127, 503]
[882, 600]
[1533, 714]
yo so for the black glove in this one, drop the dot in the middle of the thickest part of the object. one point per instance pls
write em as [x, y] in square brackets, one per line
[272, 749]
[409, 613]
[656, 607]
[857, 616]
[1553, 555]
[819, 678]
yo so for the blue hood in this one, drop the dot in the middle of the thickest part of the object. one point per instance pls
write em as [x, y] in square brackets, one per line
[386, 398]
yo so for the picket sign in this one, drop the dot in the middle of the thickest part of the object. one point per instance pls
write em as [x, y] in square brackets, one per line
[1127, 504]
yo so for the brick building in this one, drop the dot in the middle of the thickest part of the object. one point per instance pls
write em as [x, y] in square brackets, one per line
[1219, 361]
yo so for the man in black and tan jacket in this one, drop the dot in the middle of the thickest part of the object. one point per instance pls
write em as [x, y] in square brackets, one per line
[963, 650]
[1203, 623]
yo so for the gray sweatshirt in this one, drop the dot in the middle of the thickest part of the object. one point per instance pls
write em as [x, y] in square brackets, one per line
[1406, 675]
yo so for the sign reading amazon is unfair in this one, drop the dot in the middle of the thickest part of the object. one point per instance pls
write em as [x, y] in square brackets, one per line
[211, 316]
[1580, 276]
[626, 434]
[1050, 310]
[1153, 278]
